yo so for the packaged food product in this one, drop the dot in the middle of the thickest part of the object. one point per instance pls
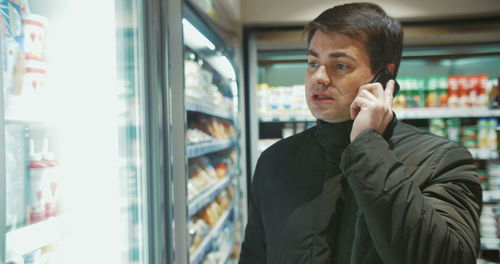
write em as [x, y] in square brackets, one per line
[205, 165]
[437, 126]
[419, 96]
[399, 100]
[262, 94]
[483, 133]
[482, 90]
[197, 230]
[286, 98]
[34, 78]
[432, 98]
[273, 99]
[443, 91]
[299, 104]
[34, 36]
[492, 133]
[38, 186]
[52, 200]
[474, 90]
[453, 129]
[453, 91]
[13, 68]
[221, 170]
[463, 91]
[411, 90]
[223, 200]
[469, 137]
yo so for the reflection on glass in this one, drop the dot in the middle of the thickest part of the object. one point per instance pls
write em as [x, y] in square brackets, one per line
[73, 131]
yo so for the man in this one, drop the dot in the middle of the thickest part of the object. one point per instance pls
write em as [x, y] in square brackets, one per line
[360, 187]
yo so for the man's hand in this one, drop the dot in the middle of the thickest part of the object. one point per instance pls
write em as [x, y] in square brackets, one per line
[372, 108]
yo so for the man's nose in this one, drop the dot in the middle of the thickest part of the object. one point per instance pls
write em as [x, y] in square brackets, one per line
[321, 76]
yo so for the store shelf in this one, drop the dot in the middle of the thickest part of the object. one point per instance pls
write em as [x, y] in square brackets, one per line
[286, 117]
[405, 113]
[484, 154]
[226, 251]
[490, 243]
[206, 244]
[29, 238]
[201, 107]
[196, 150]
[207, 196]
[445, 112]
[26, 110]
[491, 196]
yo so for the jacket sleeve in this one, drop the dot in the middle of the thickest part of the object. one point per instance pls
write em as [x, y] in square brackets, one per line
[253, 249]
[431, 222]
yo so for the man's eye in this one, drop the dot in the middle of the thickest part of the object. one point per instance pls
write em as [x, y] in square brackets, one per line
[341, 67]
[313, 64]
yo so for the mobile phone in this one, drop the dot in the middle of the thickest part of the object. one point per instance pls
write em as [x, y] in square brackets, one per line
[383, 77]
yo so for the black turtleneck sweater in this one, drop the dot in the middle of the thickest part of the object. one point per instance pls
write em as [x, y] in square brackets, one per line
[304, 200]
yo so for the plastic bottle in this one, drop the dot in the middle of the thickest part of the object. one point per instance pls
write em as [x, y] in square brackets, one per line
[492, 134]
[453, 91]
[48, 158]
[483, 133]
[38, 194]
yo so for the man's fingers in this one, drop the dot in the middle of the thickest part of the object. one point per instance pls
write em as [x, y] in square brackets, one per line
[389, 91]
[374, 88]
[367, 94]
[357, 105]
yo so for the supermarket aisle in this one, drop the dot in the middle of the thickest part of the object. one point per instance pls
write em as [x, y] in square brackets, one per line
[161, 137]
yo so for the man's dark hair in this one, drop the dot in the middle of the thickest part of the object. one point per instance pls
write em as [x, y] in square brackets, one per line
[381, 35]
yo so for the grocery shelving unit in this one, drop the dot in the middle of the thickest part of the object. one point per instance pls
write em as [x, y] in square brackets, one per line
[200, 149]
[214, 168]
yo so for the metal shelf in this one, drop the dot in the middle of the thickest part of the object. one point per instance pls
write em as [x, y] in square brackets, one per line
[32, 237]
[206, 244]
[208, 195]
[490, 243]
[201, 107]
[484, 154]
[201, 149]
[405, 113]
[445, 112]
[21, 109]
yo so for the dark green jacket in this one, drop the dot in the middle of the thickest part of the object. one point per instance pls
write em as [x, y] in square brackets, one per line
[403, 197]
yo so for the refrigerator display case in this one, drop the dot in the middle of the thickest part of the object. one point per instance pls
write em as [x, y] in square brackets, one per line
[449, 90]
[215, 180]
[73, 142]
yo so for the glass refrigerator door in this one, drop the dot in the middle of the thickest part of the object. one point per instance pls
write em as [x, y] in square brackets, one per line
[73, 136]
[213, 153]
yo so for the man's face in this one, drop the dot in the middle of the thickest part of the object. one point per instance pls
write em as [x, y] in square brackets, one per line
[337, 66]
